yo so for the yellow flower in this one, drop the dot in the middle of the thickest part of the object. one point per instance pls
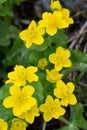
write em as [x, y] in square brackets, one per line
[42, 63]
[53, 75]
[30, 115]
[65, 93]
[51, 109]
[18, 124]
[55, 5]
[61, 58]
[20, 100]
[52, 21]
[32, 35]
[66, 16]
[20, 75]
[3, 125]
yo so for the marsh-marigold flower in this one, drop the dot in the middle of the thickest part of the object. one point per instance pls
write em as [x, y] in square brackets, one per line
[51, 109]
[32, 35]
[18, 124]
[42, 63]
[20, 100]
[55, 5]
[65, 93]
[52, 21]
[3, 125]
[61, 58]
[21, 74]
[30, 115]
[66, 16]
[53, 75]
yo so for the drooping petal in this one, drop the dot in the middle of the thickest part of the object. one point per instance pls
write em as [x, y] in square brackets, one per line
[47, 116]
[17, 111]
[51, 31]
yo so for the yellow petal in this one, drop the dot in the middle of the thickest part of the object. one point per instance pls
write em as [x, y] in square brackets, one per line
[67, 63]
[23, 35]
[51, 30]
[47, 116]
[58, 67]
[43, 108]
[38, 40]
[72, 100]
[70, 86]
[28, 90]
[8, 102]
[17, 111]
[14, 90]
[52, 58]
[59, 50]
[28, 44]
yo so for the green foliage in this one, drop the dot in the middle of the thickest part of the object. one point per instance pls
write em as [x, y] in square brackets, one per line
[14, 52]
[7, 33]
[5, 113]
[77, 120]
[39, 95]
[2, 1]
[77, 117]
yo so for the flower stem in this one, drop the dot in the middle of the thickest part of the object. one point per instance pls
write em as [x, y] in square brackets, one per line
[44, 126]
[64, 120]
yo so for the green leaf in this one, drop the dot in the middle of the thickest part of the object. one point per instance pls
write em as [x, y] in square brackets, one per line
[4, 91]
[16, 1]
[42, 47]
[2, 1]
[75, 67]
[60, 38]
[77, 116]
[70, 127]
[6, 10]
[5, 113]
[19, 53]
[38, 94]
[34, 57]
[78, 56]
[7, 33]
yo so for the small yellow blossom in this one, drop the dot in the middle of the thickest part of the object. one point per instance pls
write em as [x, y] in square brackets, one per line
[65, 93]
[53, 75]
[66, 16]
[55, 5]
[61, 58]
[3, 125]
[30, 115]
[51, 109]
[20, 75]
[52, 21]
[20, 100]
[42, 63]
[18, 124]
[32, 35]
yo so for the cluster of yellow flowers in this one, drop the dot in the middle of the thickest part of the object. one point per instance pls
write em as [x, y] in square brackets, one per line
[21, 100]
[51, 22]
[24, 105]
[53, 108]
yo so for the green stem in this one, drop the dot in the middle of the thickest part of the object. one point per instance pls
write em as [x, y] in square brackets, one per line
[64, 120]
